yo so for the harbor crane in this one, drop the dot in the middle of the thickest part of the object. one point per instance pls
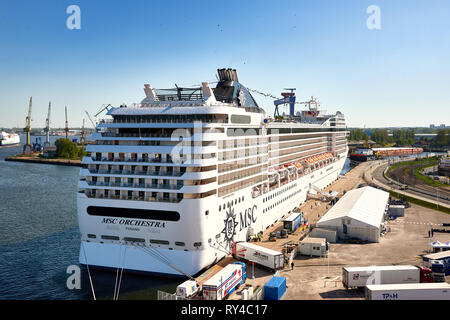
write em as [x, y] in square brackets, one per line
[288, 98]
[90, 119]
[67, 126]
[83, 133]
[47, 127]
[27, 130]
[102, 108]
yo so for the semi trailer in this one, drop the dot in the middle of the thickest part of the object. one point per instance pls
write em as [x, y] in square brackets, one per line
[409, 291]
[224, 282]
[266, 258]
[359, 277]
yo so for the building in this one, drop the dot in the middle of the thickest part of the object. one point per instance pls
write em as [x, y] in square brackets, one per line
[360, 214]
[444, 166]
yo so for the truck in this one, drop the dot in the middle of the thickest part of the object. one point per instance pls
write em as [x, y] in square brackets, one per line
[438, 270]
[408, 291]
[187, 289]
[225, 282]
[359, 277]
[292, 223]
[265, 258]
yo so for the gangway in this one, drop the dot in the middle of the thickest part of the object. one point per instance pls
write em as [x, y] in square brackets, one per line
[327, 196]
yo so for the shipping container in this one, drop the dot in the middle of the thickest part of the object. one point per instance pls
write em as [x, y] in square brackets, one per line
[396, 210]
[264, 257]
[293, 222]
[329, 235]
[275, 288]
[224, 282]
[358, 277]
[409, 291]
[313, 247]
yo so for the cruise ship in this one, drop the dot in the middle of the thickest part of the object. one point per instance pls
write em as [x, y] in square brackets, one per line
[171, 182]
[8, 139]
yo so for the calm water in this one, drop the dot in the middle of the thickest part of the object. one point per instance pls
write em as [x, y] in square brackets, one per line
[40, 237]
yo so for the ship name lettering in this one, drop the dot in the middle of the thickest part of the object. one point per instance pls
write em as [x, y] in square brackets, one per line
[248, 217]
[137, 223]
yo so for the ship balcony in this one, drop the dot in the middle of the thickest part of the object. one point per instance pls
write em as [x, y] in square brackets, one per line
[149, 174]
[160, 173]
[193, 162]
[168, 186]
[94, 195]
[160, 120]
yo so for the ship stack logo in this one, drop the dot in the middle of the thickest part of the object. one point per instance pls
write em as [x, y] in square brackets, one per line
[229, 230]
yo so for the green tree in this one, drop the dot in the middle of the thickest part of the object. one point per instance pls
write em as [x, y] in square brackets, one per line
[442, 138]
[68, 149]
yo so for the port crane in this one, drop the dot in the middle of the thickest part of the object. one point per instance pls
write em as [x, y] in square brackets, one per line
[67, 126]
[47, 127]
[83, 138]
[90, 119]
[102, 108]
[27, 130]
[288, 98]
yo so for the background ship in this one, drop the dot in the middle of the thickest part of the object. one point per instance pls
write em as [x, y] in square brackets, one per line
[7, 139]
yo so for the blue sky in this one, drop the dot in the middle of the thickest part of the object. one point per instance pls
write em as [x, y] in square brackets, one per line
[396, 76]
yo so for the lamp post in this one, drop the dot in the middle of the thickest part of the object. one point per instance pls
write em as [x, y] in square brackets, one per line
[437, 197]
[328, 254]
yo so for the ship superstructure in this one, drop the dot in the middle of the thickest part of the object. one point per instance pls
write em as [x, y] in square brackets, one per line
[172, 181]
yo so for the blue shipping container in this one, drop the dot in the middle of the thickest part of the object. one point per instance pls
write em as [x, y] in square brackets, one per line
[275, 288]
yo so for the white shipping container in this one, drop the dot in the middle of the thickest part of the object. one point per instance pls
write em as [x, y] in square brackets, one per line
[330, 235]
[409, 291]
[265, 257]
[313, 247]
[361, 276]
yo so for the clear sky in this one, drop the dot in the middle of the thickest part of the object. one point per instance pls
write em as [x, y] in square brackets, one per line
[398, 75]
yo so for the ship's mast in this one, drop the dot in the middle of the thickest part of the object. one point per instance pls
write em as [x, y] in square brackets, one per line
[27, 130]
[47, 127]
[67, 126]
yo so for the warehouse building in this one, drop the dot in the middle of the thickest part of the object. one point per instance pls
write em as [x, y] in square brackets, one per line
[360, 213]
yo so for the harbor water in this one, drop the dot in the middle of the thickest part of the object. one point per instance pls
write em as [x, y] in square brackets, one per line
[40, 238]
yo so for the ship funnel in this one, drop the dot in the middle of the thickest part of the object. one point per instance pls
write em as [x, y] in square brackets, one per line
[227, 74]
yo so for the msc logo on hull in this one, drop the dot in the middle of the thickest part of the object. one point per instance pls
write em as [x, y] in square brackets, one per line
[246, 219]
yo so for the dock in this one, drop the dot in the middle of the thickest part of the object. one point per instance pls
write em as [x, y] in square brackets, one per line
[35, 159]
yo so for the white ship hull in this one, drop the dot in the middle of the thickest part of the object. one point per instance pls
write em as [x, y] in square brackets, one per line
[173, 181]
[256, 214]
[7, 139]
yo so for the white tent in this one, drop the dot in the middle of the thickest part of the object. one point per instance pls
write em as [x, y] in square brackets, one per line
[360, 214]
[437, 246]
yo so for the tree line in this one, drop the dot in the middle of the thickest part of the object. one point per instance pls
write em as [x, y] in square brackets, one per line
[399, 137]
